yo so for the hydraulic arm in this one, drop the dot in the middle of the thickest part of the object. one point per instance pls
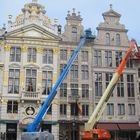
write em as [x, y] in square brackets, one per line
[33, 126]
[132, 51]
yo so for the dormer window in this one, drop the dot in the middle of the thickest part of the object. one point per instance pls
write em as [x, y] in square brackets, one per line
[107, 41]
[118, 40]
[74, 33]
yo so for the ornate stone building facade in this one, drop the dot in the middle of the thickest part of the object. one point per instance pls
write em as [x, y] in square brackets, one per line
[34, 51]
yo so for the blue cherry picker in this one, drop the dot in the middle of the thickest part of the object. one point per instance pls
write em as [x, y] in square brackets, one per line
[32, 128]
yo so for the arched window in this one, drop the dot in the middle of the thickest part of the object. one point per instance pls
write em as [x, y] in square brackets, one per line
[118, 41]
[107, 39]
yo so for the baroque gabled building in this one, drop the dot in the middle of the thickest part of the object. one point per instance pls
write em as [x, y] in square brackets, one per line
[33, 53]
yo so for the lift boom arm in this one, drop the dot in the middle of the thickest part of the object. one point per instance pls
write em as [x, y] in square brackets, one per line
[131, 52]
[34, 125]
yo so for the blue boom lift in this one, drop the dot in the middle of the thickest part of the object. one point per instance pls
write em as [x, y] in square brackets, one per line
[32, 128]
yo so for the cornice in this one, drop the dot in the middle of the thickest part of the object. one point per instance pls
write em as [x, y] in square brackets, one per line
[111, 29]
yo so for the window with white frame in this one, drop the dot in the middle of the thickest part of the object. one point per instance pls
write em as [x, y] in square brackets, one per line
[108, 78]
[62, 66]
[98, 84]
[131, 109]
[76, 59]
[108, 58]
[15, 54]
[31, 77]
[31, 54]
[74, 71]
[63, 54]
[74, 33]
[107, 39]
[130, 85]
[63, 90]
[13, 82]
[118, 58]
[84, 56]
[129, 63]
[47, 77]
[12, 107]
[74, 89]
[97, 58]
[85, 73]
[85, 110]
[85, 91]
[120, 87]
[110, 109]
[48, 56]
[63, 109]
[121, 109]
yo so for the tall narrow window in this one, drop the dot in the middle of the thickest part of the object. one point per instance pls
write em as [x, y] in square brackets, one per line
[63, 109]
[107, 41]
[48, 56]
[98, 84]
[129, 63]
[12, 107]
[62, 66]
[76, 59]
[63, 90]
[120, 87]
[97, 58]
[15, 54]
[108, 78]
[74, 109]
[63, 54]
[108, 58]
[14, 78]
[74, 33]
[74, 89]
[85, 73]
[85, 110]
[31, 75]
[118, 58]
[118, 40]
[121, 109]
[110, 109]
[74, 71]
[84, 56]
[130, 85]
[32, 55]
[85, 91]
[131, 109]
[49, 110]
[47, 77]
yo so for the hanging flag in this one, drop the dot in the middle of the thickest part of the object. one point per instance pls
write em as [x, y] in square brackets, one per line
[79, 109]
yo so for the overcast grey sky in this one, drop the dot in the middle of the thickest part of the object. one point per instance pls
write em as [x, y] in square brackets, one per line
[91, 12]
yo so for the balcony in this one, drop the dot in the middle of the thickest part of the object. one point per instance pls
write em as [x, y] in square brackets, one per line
[26, 95]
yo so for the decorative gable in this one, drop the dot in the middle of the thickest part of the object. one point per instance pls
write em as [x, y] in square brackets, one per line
[33, 31]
